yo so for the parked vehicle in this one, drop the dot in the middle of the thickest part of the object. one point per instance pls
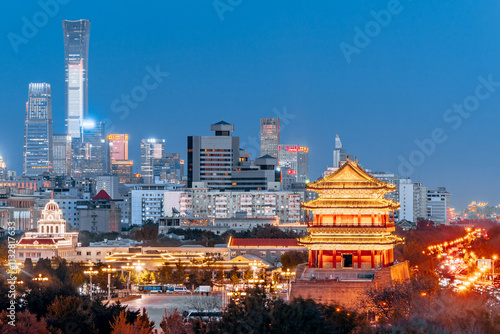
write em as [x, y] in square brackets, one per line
[205, 316]
[152, 287]
[181, 289]
[202, 289]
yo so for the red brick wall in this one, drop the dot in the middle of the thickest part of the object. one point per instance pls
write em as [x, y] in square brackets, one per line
[344, 293]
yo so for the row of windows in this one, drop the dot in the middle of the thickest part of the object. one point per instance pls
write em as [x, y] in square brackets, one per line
[90, 253]
[30, 255]
[214, 150]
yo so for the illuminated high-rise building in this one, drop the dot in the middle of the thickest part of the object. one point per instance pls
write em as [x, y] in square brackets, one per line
[339, 154]
[151, 149]
[215, 162]
[170, 168]
[117, 147]
[91, 157]
[76, 54]
[295, 159]
[38, 130]
[3, 169]
[438, 206]
[122, 169]
[61, 154]
[269, 136]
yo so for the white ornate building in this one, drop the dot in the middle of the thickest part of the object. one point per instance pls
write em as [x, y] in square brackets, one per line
[50, 240]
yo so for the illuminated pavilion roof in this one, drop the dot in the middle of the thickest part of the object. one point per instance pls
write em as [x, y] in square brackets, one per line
[350, 188]
[350, 176]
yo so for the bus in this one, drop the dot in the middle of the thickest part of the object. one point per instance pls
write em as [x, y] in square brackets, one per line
[151, 288]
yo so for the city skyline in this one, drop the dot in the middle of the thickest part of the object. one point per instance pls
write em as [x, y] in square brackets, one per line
[216, 167]
[308, 122]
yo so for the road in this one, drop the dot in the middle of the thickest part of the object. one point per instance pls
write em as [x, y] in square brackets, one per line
[156, 304]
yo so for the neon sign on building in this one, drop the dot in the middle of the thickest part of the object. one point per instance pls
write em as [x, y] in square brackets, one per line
[295, 148]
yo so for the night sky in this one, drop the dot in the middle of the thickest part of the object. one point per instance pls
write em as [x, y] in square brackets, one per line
[267, 57]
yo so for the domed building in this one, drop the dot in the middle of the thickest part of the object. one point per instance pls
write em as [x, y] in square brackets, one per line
[50, 239]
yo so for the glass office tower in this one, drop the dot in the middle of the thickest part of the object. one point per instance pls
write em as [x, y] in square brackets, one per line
[38, 130]
[61, 154]
[269, 136]
[151, 149]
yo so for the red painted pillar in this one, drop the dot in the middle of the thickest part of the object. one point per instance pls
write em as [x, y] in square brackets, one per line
[310, 258]
[321, 259]
[373, 259]
[359, 259]
[334, 259]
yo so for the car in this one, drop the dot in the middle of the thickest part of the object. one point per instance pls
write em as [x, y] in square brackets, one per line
[204, 316]
[181, 289]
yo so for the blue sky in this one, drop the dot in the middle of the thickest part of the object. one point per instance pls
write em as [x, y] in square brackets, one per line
[266, 56]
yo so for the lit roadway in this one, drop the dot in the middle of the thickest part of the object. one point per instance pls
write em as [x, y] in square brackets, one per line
[156, 304]
[479, 280]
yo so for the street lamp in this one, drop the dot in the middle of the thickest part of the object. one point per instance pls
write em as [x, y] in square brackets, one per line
[109, 270]
[493, 268]
[288, 274]
[128, 268]
[90, 273]
[138, 267]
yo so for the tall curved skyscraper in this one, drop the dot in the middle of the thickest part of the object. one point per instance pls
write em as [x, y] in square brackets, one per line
[76, 58]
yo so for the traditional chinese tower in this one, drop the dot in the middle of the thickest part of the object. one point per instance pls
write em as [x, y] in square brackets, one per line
[350, 238]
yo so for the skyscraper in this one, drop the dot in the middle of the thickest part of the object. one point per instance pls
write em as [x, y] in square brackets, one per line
[214, 162]
[123, 169]
[38, 130]
[170, 168]
[339, 154]
[151, 149]
[295, 160]
[61, 154]
[118, 163]
[117, 147]
[91, 156]
[269, 136]
[438, 204]
[3, 169]
[76, 54]
[406, 200]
